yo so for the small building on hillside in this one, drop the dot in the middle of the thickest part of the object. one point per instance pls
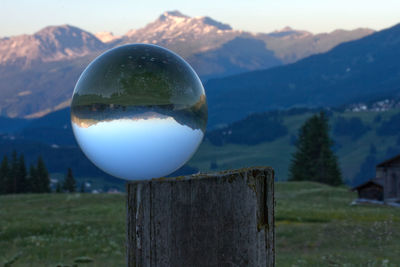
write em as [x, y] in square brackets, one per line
[389, 171]
[371, 190]
[385, 187]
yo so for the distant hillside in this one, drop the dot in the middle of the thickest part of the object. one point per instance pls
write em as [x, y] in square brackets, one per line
[8, 125]
[362, 139]
[236, 56]
[351, 72]
[38, 72]
[34, 92]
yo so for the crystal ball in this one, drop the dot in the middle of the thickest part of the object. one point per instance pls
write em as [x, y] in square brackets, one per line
[139, 112]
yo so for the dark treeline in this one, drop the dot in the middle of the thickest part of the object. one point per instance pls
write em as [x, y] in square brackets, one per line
[16, 179]
[69, 184]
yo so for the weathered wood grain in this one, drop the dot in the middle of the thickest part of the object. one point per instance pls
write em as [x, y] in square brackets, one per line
[218, 219]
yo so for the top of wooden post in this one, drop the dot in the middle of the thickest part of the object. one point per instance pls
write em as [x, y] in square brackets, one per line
[227, 174]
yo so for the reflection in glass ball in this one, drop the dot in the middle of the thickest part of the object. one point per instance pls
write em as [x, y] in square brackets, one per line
[139, 111]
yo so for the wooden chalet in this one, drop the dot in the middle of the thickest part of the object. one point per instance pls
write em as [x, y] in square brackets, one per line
[371, 189]
[389, 171]
[385, 186]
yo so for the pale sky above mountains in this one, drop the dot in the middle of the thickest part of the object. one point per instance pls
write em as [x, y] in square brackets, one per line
[119, 16]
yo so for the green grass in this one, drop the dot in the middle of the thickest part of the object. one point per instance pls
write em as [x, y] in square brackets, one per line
[315, 226]
[44, 230]
[278, 153]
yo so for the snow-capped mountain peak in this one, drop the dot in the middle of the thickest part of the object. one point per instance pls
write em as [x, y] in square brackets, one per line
[172, 15]
[195, 33]
[107, 37]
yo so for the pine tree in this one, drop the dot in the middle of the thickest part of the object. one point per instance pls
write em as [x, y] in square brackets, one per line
[42, 176]
[34, 183]
[314, 159]
[22, 186]
[69, 184]
[4, 174]
[13, 174]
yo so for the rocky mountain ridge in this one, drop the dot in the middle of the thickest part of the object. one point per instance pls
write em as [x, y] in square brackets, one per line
[183, 34]
[53, 43]
[38, 72]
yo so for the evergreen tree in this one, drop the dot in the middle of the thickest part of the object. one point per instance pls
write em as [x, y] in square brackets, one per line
[42, 176]
[314, 159]
[4, 174]
[22, 186]
[34, 184]
[69, 182]
[13, 174]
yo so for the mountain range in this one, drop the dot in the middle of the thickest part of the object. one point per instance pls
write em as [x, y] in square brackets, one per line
[38, 72]
[362, 76]
[362, 70]
[53, 43]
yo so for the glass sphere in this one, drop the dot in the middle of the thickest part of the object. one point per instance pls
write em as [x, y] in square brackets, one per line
[139, 111]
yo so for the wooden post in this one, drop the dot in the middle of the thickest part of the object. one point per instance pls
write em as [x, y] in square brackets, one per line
[219, 219]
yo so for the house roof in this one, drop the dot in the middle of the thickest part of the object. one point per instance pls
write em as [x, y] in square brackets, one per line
[389, 161]
[375, 181]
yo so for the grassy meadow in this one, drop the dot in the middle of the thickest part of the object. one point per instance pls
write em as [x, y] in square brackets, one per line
[315, 226]
[351, 152]
[57, 229]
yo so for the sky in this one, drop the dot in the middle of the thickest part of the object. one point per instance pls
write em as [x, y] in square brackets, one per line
[119, 16]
